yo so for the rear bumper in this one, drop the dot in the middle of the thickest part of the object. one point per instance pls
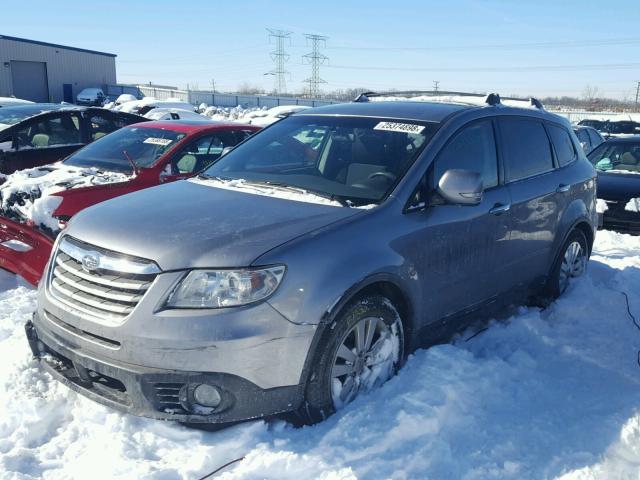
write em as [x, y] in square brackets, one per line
[24, 250]
[152, 392]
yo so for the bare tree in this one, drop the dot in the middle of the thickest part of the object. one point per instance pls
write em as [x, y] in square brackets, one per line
[245, 88]
[590, 93]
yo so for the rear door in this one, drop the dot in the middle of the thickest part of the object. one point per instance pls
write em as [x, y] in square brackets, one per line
[537, 195]
[459, 249]
[44, 139]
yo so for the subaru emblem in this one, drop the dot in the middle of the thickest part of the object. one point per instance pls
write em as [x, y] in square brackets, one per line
[90, 262]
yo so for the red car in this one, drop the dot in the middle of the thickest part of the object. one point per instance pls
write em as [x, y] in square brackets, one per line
[35, 204]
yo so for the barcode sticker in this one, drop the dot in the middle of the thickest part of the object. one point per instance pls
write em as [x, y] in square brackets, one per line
[157, 141]
[399, 127]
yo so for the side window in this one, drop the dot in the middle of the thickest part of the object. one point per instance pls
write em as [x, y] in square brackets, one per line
[473, 148]
[562, 144]
[584, 139]
[526, 148]
[62, 129]
[200, 153]
[596, 138]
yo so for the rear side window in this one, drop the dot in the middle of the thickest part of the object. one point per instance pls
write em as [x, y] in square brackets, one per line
[526, 148]
[473, 148]
[596, 138]
[562, 144]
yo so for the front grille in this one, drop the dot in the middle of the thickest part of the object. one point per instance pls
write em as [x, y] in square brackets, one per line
[109, 289]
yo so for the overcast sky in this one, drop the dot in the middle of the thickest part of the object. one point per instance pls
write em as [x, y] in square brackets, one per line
[541, 47]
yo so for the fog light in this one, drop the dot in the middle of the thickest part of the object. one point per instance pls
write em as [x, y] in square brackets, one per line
[207, 396]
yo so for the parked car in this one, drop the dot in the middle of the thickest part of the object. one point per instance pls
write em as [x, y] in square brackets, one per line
[588, 137]
[264, 118]
[39, 134]
[91, 97]
[36, 204]
[618, 164]
[300, 269]
[13, 101]
[145, 105]
[174, 114]
[593, 123]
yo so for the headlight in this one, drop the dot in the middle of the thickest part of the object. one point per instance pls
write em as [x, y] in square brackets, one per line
[225, 288]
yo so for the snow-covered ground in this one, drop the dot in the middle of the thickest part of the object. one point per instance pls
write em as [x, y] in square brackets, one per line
[542, 395]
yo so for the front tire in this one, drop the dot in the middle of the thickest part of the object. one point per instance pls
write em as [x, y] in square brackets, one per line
[361, 350]
[570, 264]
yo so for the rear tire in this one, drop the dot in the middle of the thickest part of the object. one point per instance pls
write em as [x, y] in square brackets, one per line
[571, 263]
[359, 351]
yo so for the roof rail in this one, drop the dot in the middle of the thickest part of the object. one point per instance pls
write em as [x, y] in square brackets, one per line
[490, 99]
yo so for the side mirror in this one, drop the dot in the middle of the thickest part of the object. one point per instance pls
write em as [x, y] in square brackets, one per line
[225, 150]
[461, 187]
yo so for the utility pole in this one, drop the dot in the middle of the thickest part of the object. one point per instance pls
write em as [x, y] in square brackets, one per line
[213, 85]
[279, 56]
[436, 83]
[637, 95]
[315, 58]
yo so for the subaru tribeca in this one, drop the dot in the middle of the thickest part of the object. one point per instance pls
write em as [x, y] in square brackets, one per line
[301, 268]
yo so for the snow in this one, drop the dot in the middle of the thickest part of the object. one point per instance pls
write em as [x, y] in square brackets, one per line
[12, 101]
[551, 394]
[35, 188]
[601, 206]
[633, 205]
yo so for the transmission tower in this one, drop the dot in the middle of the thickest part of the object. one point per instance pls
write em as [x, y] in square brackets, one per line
[315, 58]
[280, 57]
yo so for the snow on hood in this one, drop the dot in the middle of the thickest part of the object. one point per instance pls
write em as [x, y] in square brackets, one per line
[29, 195]
[3, 126]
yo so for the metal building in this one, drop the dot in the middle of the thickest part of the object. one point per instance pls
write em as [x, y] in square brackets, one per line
[43, 72]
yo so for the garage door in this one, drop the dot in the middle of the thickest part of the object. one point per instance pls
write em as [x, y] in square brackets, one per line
[30, 80]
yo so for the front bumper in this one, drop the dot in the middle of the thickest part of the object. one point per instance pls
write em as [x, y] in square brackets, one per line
[622, 221]
[153, 392]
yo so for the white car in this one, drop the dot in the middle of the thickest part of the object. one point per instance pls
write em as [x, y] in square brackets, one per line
[276, 113]
[124, 98]
[12, 101]
[174, 114]
[141, 107]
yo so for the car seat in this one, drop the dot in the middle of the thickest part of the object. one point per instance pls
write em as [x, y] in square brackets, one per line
[628, 161]
[40, 140]
[187, 163]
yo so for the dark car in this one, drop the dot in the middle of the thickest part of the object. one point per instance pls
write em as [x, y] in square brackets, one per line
[597, 124]
[589, 137]
[618, 164]
[39, 134]
[299, 269]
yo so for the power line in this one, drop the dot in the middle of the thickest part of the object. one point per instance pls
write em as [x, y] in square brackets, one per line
[315, 58]
[566, 44]
[637, 94]
[527, 68]
[280, 57]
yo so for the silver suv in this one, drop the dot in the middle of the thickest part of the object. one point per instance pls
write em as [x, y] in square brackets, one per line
[300, 269]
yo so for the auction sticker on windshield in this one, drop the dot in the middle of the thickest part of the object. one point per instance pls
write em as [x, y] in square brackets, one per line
[399, 127]
[158, 141]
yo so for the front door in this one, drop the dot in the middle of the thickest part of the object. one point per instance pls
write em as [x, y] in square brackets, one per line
[43, 140]
[67, 92]
[459, 248]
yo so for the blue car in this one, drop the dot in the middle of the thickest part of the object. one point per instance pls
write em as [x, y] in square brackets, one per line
[618, 164]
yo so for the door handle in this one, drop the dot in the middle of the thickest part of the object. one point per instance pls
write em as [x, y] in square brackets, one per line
[562, 188]
[500, 208]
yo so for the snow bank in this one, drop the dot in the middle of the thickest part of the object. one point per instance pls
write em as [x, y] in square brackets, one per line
[28, 195]
[551, 394]
[633, 205]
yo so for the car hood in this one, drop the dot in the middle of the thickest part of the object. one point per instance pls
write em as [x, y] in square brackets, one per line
[193, 225]
[618, 186]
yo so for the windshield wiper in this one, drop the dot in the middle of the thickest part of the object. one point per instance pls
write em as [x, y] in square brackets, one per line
[130, 160]
[303, 191]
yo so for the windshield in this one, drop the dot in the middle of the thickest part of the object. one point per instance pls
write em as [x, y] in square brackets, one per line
[617, 156]
[116, 151]
[350, 159]
[13, 115]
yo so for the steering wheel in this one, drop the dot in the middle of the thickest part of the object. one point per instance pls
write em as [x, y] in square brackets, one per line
[389, 176]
